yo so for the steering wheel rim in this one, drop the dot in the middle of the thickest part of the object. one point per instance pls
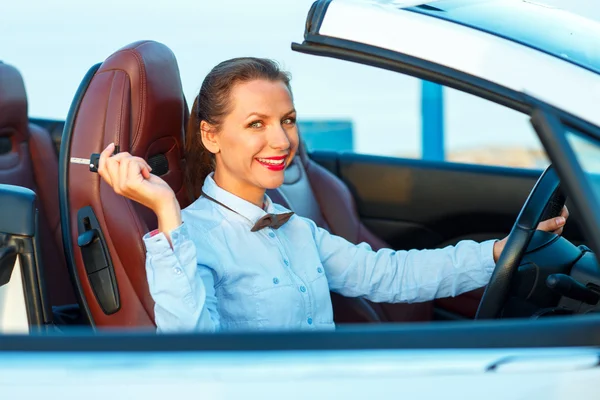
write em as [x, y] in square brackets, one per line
[545, 201]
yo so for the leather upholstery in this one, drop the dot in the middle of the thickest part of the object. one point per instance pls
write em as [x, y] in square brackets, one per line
[464, 305]
[32, 163]
[135, 100]
[314, 192]
[13, 105]
[45, 171]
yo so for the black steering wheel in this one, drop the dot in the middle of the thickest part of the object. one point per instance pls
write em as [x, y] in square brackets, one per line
[545, 201]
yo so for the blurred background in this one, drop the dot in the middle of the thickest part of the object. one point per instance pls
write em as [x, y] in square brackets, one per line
[341, 106]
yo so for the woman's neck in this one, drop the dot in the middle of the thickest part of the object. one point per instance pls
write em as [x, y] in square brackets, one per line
[252, 194]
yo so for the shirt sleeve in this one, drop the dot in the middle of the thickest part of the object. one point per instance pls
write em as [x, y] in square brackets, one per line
[183, 290]
[403, 276]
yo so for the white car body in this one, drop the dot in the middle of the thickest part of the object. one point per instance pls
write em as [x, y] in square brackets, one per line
[505, 372]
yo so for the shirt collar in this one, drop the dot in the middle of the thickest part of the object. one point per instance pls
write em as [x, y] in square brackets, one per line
[244, 208]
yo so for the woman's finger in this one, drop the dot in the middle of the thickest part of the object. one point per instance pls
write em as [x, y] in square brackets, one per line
[145, 168]
[135, 176]
[124, 181]
[564, 212]
[104, 155]
[112, 170]
[552, 224]
[120, 156]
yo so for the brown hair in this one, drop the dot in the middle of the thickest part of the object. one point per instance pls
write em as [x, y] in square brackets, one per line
[213, 104]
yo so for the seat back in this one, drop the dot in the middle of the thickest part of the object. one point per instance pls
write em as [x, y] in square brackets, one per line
[314, 192]
[134, 99]
[28, 159]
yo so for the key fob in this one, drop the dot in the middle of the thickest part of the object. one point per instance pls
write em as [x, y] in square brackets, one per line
[94, 162]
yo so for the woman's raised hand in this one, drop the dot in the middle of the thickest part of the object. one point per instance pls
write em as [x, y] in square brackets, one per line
[131, 177]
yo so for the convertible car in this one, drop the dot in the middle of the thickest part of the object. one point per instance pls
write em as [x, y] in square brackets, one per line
[74, 303]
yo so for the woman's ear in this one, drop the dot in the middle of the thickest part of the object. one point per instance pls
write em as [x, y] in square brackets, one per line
[209, 137]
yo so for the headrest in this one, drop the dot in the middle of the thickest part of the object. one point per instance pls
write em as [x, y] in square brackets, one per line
[295, 171]
[145, 83]
[13, 104]
[136, 100]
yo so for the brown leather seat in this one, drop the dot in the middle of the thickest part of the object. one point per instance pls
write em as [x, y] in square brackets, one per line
[28, 159]
[313, 192]
[134, 99]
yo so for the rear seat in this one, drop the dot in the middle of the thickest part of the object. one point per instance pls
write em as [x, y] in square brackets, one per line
[28, 159]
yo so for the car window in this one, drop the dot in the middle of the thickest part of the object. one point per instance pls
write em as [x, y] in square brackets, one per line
[372, 111]
[479, 131]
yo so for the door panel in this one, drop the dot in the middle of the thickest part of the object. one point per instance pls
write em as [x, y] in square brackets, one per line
[422, 204]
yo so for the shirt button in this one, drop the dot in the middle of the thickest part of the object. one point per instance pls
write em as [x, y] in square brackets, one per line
[286, 262]
[319, 270]
[177, 271]
[309, 321]
[302, 289]
[271, 234]
[275, 281]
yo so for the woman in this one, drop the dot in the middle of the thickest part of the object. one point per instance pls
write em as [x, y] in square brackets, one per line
[220, 265]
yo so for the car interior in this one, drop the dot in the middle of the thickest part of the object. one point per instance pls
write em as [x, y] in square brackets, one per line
[91, 263]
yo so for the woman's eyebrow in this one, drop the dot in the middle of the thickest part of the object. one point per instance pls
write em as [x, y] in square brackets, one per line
[257, 114]
[265, 116]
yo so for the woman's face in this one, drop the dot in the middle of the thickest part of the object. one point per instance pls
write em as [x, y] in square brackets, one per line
[257, 139]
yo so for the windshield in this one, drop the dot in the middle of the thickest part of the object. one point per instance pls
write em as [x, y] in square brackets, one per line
[541, 26]
[587, 151]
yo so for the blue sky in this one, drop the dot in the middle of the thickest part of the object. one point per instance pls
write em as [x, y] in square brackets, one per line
[54, 44]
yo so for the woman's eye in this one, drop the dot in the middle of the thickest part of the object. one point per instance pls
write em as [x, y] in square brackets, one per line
[256, 124]
[289, 121]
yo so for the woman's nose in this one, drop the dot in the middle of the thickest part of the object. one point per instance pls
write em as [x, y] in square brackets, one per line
[278, 139]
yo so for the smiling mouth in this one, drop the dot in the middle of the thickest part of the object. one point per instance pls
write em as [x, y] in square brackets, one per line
[273, 163]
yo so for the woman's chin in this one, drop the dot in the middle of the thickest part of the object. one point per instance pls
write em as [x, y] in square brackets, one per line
[273, 181]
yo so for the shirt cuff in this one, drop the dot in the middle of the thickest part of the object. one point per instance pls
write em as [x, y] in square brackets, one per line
[157, 242]
[487, 255]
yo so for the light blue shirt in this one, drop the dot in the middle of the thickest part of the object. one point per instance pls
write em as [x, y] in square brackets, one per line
[220, 276]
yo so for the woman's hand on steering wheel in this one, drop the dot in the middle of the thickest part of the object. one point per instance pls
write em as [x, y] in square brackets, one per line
[552, 225]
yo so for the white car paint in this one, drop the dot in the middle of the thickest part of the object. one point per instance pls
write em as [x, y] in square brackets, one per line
[13, 311]
[383, 374]
[506, 63]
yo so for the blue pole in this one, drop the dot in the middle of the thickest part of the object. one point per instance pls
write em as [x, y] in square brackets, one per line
[432, 118]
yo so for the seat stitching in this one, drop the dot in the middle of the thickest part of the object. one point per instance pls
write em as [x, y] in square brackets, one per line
[141, 71]
[121, 111]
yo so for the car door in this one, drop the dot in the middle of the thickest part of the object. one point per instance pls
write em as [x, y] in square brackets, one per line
[492, 158]
[488, 156]
[24, 306]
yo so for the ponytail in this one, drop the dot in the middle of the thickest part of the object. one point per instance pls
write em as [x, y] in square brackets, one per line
[199, 162]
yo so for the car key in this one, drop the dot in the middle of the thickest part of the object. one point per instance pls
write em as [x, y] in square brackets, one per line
[93, 162]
